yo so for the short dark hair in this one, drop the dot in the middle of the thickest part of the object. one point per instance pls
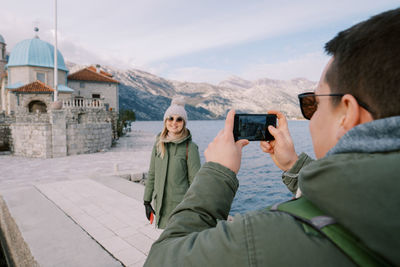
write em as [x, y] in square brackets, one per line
[366, 63]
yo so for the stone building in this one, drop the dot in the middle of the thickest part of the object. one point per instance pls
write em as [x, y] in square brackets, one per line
[30, 77]
[32, 125]
[3, 56]
[92, 82]
[3, 73]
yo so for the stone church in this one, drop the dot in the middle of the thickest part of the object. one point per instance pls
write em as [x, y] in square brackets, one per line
[29, 123]
[29, 74]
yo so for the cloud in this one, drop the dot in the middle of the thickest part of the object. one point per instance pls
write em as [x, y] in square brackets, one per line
[195, 74]
[146, 33]
[260, 20]
[139, 34]
[15, 29]
[308, 66]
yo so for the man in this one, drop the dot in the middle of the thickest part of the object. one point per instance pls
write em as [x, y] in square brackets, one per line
[355, 129]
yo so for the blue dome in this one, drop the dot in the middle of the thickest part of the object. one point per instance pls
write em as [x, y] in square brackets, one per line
[2, 39]
[35, 52]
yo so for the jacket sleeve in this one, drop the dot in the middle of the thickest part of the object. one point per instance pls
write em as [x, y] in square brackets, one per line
[290, 177]
[193, 162]
[198, 233]
[148, 191]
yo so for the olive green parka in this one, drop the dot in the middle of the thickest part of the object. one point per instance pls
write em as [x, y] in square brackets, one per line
[170, 177]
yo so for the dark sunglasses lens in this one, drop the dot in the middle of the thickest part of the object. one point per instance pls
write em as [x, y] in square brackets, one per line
[308, 106]
[179, 119]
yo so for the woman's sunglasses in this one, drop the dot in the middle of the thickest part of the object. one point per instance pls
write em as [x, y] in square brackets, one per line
[178, 119]
[308, 103]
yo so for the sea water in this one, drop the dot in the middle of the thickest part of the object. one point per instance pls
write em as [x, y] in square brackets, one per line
[260, 181]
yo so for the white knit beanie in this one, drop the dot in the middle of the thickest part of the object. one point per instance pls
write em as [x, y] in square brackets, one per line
[177, 108]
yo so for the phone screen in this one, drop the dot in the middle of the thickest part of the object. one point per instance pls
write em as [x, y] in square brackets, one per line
[253, 127]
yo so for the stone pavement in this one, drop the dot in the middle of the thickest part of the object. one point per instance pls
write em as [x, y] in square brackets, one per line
[132, 154]
[77, 210]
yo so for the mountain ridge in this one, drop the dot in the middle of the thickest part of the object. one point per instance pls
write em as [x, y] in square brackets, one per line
[149, 95]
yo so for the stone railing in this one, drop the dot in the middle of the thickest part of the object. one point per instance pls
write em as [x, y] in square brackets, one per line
[83, 103]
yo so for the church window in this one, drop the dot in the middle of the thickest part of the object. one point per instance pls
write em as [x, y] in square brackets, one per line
[41, 77]
[95, 95]
[81, 85]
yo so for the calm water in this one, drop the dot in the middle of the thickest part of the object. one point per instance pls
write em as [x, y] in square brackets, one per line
[260, 180]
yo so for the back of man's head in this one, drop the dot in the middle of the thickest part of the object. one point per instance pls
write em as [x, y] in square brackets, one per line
[367, 63]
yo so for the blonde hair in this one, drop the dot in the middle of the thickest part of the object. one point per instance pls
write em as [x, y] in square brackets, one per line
[164, 138]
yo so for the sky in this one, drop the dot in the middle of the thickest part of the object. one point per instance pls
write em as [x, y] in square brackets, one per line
[192, 40]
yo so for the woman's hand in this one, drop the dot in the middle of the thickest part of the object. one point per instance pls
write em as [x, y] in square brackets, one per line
[281, 149]
[149, 209]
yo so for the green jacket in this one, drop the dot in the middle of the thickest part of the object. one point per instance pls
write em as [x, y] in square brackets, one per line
[170, 177]
[360, 190]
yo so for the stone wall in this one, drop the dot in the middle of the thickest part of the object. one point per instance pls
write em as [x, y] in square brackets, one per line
[88, 130]
[5, 132]
[4, 137]
[88, 137]
[31, 135]
[32, 139]
[60, 133]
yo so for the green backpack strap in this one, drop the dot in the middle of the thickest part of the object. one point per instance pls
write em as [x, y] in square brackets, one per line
[306, 212]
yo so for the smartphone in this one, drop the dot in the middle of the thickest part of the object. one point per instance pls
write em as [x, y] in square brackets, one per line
[253, 127]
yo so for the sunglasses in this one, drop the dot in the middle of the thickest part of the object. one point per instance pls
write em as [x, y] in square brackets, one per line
[178, 119]
[308, 103]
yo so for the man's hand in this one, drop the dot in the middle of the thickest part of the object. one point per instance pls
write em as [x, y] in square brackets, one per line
[223, 149]
[281, 149]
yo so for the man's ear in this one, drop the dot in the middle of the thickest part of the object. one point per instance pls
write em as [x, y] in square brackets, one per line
[350, 114]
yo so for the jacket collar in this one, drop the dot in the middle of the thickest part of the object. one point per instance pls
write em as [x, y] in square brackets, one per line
[381, 135]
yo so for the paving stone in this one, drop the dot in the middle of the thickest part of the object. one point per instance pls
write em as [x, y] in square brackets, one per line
[111, 222]
[86, 221]
[115, 244]
[130, 256]
[141, 242]
[150, 231]
[126, 232]
[93, 210]
[100, 233]
[138, 264]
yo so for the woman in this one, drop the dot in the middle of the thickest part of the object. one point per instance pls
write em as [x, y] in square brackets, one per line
[174, 162]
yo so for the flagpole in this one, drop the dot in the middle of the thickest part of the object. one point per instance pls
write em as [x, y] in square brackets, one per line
[55, 54]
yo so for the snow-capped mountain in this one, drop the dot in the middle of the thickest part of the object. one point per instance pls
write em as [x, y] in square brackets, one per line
[149, 95]
[246, 96]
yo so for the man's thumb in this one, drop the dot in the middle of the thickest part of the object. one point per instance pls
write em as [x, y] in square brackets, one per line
[273, 131]
[242, 142]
